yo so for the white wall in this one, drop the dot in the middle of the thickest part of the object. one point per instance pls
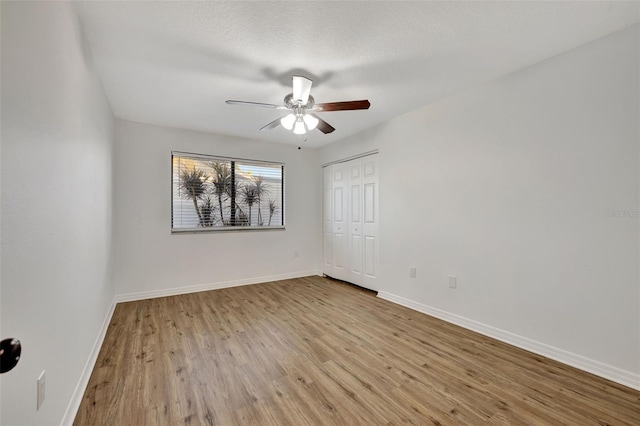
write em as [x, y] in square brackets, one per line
[507, 186]
[513, 181]
[56, 206]
[149, 260]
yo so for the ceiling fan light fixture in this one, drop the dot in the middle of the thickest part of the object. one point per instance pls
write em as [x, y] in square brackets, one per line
[310, 121]
[299, 128]
[298, 103]
[287, 121]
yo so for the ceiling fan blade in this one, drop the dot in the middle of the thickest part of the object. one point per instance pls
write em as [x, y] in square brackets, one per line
[275, 123]
[343, 106]
[323, 126]
[258, 104]
[301, 88]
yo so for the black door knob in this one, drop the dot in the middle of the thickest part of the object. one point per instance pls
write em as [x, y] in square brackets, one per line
[10, 350]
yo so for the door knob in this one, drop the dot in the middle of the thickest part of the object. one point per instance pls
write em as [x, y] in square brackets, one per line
[10, 350]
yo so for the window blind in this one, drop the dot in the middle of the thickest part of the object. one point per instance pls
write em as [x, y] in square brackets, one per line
[211, 193]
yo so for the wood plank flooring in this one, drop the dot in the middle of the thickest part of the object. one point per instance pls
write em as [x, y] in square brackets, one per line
[313, 351]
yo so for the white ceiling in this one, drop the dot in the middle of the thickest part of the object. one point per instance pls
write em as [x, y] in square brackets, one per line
[175, 63]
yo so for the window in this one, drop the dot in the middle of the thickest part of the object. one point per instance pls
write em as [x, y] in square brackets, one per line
[217, 193]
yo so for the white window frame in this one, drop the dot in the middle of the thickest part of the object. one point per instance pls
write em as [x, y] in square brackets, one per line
[219, 225]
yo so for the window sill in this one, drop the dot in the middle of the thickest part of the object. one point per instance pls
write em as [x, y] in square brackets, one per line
[227, 229]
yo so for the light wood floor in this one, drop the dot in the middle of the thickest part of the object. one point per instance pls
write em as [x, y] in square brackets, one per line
[313, 351]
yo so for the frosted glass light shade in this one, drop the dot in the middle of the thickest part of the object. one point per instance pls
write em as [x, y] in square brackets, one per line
[310, 121]
[299, 129]
[287, 121]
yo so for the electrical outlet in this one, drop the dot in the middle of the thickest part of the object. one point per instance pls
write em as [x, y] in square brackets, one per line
[412, 271]
[41, 387]
[452, 281]
[296, 253]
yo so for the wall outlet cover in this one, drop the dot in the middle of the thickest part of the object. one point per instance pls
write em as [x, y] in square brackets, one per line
[41, 388]
[452, 281]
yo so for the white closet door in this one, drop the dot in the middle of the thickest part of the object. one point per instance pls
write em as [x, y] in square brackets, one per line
[370, 221]
[350, 221]
[340, 222]
[356, 257]
[327, 220]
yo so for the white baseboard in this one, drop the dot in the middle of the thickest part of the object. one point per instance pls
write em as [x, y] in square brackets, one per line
[78, 393]
[129, 297]
[609, 372]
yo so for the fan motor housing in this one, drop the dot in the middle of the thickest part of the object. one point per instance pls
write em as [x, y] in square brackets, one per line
[288, 102]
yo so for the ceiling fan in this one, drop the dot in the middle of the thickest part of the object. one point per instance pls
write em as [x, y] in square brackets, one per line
[302, 109]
